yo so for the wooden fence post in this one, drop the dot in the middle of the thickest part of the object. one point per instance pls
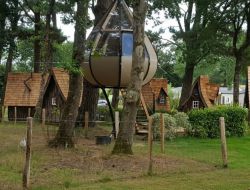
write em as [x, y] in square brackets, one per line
[86, 125]
[43, 117]
[26, 171]
[223, 142]
[162, 126]
[3, 112]
[150, 146]
[117, 123]
[15, 115]
[29, 111]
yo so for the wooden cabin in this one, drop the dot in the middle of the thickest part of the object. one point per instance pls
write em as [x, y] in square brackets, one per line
[22, 91]
[203, 94]
[55, 94]
[156, 96]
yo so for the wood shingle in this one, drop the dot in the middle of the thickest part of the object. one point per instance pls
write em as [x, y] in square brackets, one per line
[22, 89]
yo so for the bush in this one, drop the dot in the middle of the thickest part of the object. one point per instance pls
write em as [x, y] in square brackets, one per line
[182, 120]
[205, 122]
[170, 125]
[103, 113]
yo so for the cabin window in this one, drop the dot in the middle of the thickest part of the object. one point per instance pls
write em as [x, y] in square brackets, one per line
[196, 92]
[108, 45]
[53, 101]
[162, 99]
[127, 44]
[196, 104]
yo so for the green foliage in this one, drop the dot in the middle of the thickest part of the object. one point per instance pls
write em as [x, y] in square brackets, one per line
[63, 54]
[103, 113]
[205, 122]
[182, 120]
[178, 120]
[174, 102]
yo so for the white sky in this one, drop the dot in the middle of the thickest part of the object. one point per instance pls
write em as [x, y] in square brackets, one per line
[69, 29]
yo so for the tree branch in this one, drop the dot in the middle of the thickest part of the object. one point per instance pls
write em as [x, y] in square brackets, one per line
[187, 19]
[26, 13]
[177, 16]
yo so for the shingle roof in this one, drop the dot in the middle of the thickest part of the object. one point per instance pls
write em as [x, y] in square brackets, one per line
[21, 93]
[157, 84]
[209, 91]
[61, 77]
[153, 88]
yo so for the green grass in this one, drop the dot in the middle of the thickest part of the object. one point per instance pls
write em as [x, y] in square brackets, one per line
[188, 164]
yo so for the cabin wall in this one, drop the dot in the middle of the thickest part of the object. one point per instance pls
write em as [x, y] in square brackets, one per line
[196, 96]
[162, 107]
[150, 93]
[53, 112]
[22, 112]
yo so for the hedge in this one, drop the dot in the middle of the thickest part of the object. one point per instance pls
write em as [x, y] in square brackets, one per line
[205, 122]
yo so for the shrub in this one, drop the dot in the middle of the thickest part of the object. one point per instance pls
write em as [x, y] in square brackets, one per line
[103, 113]
[170, 126]
[182, 120]
[205, 122]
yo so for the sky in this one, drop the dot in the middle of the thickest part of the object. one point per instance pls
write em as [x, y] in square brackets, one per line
[68, 30]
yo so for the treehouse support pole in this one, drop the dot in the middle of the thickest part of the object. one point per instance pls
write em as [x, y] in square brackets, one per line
[111, 112]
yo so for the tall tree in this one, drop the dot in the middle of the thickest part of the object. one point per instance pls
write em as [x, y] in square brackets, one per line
[239, 14]
[13, 18]
[196, 23]
[52, 36]
[64, 137]
[32, 15]
[124, 140]
[3, 16]
[91, 94]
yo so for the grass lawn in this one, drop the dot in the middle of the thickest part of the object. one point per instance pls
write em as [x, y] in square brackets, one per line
[188, 164]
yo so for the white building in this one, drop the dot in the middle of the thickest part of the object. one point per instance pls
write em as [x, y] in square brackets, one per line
[226, 96]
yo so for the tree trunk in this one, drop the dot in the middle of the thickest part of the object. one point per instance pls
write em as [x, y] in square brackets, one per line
[124, 140]
[90, 94]
[187, 84]
[14, 17]
[48, 39]
[37, 45]
[8, 67]
[64, 137]
[2, 27]
[237, 71]
[115, 98]
[48, 55]
[89, 103]
[2, 37]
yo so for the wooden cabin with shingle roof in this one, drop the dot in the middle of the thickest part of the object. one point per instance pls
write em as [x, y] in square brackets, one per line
[155, 95]
[55, 94]
[203, 94]
[22, 91]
